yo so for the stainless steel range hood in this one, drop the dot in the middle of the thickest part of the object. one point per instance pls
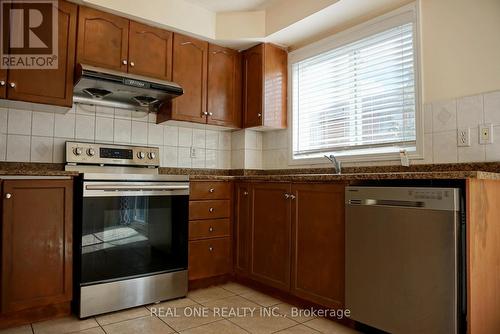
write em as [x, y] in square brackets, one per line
[103, 87]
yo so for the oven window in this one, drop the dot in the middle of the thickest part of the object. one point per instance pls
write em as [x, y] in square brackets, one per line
[123, 237]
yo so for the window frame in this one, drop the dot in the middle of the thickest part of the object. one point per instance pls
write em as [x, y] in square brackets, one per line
[406, 14]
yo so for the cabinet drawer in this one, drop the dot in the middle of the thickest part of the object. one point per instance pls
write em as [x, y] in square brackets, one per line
[209, 209]
[202, 229]
[201, 190]
[208, 258]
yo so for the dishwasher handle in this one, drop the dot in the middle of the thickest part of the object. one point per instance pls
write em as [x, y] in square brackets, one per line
[385, 202]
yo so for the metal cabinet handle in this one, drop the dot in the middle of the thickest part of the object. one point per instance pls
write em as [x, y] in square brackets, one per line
[210, 114]
[132, 64]
[287, 196]
[12, 85]
[204, 113]
[245, 193]
[292, 197]
[8, 195]
[2, 83]
[211, 190]
[124, 62]
[259, 115]
[211, 209]
[210, 229]
[210, 248]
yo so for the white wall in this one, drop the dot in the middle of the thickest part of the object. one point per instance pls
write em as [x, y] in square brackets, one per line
[460, 47]
[33, 136]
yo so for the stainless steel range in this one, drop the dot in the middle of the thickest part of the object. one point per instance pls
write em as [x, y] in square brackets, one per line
[131, 228]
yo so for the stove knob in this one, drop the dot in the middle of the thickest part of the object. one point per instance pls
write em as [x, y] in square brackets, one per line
[77, 151]
[152, 155]
[91, 152]
[141, 155]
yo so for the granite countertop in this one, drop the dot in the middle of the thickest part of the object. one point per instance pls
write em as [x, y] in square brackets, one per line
[37, 173]
[12, 169]
[486, 171]
[441, 175]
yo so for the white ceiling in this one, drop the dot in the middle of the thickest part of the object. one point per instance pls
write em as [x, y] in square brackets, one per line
[231, 5]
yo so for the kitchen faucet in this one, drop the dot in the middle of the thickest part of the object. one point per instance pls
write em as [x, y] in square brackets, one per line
[335, 162]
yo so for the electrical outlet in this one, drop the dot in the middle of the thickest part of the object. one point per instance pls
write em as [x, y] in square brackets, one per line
[486, 134]
[192, 153]
[463, 137]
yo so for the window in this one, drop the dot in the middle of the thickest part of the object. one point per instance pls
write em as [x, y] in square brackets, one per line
[359, 96]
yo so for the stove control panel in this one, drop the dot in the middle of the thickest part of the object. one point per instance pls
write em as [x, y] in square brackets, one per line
[109, 154]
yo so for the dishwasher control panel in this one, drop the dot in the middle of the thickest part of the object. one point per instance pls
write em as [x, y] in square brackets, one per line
[437, 194]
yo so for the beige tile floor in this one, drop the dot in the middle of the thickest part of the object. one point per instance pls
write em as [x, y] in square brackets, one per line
[174, 317]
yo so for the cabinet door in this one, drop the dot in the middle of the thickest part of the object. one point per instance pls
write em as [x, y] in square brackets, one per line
[150, 51]
[51, 86]
[3, 72]
[224, 88]
[318, 243]
[242, 229]
[275, 87]
[252, 86]
[36, 243]
[3, 83]
[270, 235]
[102, 39]
[190, 72]
[209, 258]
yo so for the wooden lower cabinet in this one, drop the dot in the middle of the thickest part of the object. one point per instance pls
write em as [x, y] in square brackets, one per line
[242, 228]
[210, 235]
[209, 209]
[36, 272]
[270, 244]
[3, 83]
[209, 258]
[318, 243]
[290, 236]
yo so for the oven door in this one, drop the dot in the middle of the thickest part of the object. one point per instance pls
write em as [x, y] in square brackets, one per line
[133, 229]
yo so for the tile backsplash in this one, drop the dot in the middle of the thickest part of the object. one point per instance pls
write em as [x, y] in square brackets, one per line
[33, 136]
[442, 119]
[463, 113]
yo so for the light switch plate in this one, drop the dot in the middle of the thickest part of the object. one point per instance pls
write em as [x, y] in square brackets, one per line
[463, 137]
[486, 134]
[192, 152]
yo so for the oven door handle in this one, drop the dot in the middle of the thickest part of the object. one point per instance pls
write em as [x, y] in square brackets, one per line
[130, 189]
[115, 187]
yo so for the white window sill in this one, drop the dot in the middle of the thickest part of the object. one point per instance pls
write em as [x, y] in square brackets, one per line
[321, 160]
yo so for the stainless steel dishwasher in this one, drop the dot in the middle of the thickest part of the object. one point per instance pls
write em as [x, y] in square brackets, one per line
[403, 259]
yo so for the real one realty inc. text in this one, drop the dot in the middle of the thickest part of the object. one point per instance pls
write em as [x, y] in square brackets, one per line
[234, 312]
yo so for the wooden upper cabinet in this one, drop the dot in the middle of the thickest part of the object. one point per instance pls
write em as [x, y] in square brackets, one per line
[37, 225]
[3, 83]
[265, 87]
[150, 51]
[224, 86]
[242, 228]
[47, 86]
[102, 39]
[3, 77]
[190, 72]
[270, 235]
[318, 229]
[253, 86]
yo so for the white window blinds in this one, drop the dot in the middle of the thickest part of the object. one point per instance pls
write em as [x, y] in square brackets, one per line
[357, 97]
